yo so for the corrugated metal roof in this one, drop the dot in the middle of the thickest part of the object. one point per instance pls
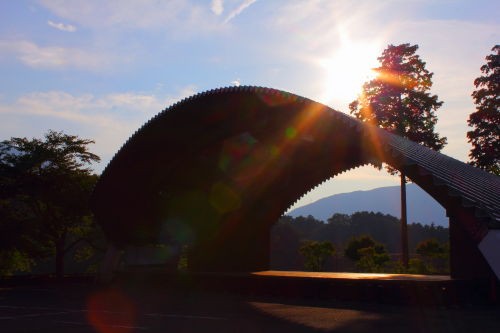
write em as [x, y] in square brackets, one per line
[474, 188]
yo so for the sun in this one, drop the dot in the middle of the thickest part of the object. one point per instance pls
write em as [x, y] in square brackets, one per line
[346, 69]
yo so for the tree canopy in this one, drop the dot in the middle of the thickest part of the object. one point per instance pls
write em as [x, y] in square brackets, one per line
[398, 98]
[316, 254]
[434, 257]
[485, 121]
[45, 186]
[431, 248]
[289, 233]
[369, 255]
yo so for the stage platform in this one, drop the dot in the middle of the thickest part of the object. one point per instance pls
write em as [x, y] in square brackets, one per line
[353, 276]
[371, 287]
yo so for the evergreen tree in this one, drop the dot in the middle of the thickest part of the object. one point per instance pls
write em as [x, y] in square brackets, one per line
[398, 100]
[485, 121]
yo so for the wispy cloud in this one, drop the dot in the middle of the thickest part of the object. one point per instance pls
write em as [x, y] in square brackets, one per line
[217, 7]
[315, 27]
[54, 57]
[238, 10]
[176, 16]
[62, 26]
[172, 19]
[109, 119]
[87, 108]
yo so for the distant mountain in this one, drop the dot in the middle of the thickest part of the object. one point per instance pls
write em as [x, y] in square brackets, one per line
[422, 207]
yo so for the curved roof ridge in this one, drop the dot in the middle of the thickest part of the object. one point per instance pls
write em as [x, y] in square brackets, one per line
[469, 182]
[476, 189]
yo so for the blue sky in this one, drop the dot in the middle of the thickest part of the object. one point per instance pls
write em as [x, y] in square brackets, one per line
[100, 69]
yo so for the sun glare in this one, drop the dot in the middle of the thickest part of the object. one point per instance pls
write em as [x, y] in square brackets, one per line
[346, 69]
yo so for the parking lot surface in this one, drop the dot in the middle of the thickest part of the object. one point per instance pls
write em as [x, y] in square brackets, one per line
[83, 307]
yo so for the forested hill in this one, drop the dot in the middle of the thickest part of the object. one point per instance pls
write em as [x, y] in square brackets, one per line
[422, 208]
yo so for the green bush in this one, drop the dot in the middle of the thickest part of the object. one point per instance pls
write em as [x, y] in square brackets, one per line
[14, 261]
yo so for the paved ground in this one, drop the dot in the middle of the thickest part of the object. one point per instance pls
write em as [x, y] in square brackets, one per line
[84, 308]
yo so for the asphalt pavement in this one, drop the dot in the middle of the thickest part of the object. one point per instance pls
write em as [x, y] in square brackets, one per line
[83, 307]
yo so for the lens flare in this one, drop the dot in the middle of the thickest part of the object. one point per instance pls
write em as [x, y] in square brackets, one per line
[398, 79]
[224, 198]
[111, 311]
[290, 132]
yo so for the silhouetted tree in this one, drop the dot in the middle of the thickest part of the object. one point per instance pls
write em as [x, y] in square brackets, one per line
[339, 219]
[398, 100]
[369, 255]
[305, 226]
[340, 229]
[45, 186]
[485, 121]
[434, 255]
[431, 248]
[316, 254]
[13, 260]
[285, 245]
[372, 259]
[419, 232]
[355, 244]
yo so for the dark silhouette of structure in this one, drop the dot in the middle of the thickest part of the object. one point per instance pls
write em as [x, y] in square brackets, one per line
[216, 170]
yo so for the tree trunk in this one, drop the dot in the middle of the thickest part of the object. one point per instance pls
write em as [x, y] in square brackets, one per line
[404, 223]
[59, 262]
[60, 252]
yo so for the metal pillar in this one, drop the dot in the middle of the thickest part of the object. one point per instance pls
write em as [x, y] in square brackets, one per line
[466, 260]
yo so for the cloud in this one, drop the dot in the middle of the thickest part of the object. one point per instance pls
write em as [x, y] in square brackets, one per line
[178, 19]
[454, 49]
[54, 57]
[107, 110]
[238, 10]
[177, 15]
[109, 119]
[236, 82]
[217, 7]
[62, 26]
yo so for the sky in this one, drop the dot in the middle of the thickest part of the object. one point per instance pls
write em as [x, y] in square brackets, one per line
[101, 69]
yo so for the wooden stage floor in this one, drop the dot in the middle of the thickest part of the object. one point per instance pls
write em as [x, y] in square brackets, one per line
[354, 276]
[345, 286]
